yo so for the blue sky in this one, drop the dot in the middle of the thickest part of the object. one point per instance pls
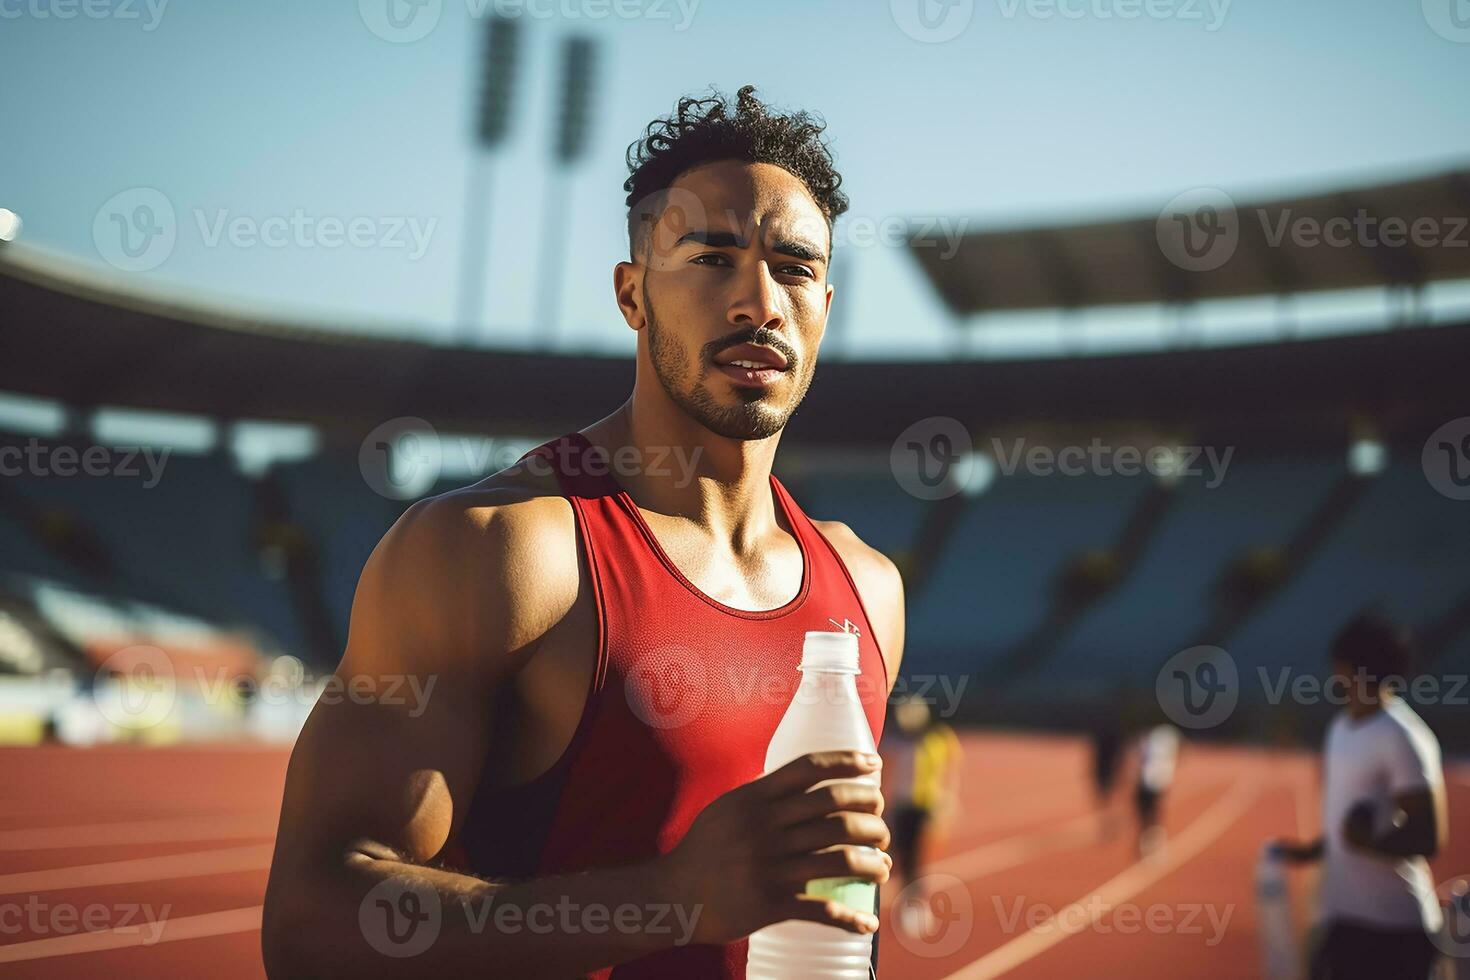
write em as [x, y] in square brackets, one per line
[1034, 111]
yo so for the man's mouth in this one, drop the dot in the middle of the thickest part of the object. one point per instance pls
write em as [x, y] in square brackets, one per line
[752, 366]
[748, 377]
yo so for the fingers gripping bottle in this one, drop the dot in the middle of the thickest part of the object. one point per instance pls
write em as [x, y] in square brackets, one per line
[825, 714]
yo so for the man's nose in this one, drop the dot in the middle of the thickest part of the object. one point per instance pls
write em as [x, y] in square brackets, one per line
[757, 302]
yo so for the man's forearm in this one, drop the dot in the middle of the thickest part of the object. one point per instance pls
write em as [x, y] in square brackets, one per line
[1405, 841]
[1309, 851]
[386, 918]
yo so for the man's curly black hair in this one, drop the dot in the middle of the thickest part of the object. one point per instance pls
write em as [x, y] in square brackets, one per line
[704, 130]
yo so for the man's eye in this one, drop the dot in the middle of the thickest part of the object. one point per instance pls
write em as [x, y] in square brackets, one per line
[714, 258]
[799, 270]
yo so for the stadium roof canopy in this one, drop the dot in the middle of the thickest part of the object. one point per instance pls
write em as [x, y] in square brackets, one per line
[69, 337]
[1363, 237]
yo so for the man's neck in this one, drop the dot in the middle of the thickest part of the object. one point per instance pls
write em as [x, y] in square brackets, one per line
[1360, 708]
[720, 484]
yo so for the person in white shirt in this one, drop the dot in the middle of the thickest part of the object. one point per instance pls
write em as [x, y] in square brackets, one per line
[1383, 817]
[1158, 753]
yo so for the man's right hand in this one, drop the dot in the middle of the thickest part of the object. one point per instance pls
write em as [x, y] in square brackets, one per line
[747, 857]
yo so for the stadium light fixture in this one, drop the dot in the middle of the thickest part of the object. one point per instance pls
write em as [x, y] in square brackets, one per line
[976, 473]
[492, 125]
[1366, 457]
[577, 65]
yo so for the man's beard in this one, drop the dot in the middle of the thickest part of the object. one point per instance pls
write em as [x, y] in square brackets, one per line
[751, 420]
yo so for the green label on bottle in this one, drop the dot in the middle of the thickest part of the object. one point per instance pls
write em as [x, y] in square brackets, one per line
[858, 894]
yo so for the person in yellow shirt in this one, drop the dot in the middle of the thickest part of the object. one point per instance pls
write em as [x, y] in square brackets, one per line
[921, 767]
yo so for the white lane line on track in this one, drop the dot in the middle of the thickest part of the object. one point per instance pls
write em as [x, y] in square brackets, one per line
[172, 930]
[140, 832]
[194, 864]
[1010, 852]
[1086, 911]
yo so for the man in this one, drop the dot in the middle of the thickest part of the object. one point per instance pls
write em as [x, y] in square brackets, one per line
[1107, 750]
[1383, 817]
[1158, 757]
[613, 643]
[921, 766]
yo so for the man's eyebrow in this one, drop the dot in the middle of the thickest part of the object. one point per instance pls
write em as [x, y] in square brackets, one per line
[800, 249]
[728, 239]
[720, 239]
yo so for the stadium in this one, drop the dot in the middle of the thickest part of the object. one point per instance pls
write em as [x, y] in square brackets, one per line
[1162, 451]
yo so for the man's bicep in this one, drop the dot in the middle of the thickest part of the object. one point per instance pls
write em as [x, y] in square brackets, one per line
[394, 746]
[1423, 814]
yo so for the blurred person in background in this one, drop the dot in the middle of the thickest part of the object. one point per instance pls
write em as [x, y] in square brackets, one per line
[1107, 754]
[921, 766]
[1383, 816]
[1158, 757]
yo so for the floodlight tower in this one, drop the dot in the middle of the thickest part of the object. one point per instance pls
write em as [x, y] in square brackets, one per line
[577, 65]
[497, 88]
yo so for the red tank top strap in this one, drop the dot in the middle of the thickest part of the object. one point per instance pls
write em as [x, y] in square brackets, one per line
[581, 469]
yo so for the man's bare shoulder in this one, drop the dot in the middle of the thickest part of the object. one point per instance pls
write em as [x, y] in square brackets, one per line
[879, 584]
[862, 560]
[489, 566]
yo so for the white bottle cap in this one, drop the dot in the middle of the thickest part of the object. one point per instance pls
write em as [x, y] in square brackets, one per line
[829, 650]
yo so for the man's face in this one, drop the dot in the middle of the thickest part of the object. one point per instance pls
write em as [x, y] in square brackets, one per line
[735, 296]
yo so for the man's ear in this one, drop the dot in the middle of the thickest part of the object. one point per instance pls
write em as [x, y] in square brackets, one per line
[628, 289]
[826, 313]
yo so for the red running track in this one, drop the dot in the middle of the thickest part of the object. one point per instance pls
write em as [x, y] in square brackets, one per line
[134, 862]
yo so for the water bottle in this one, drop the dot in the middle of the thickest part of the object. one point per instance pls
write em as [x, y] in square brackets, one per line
[824, 715]
[1280, 958]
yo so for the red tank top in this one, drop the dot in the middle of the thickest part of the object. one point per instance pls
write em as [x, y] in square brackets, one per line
[683, 702]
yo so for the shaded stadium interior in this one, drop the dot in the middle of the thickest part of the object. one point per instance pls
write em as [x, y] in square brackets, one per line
[1044, 590]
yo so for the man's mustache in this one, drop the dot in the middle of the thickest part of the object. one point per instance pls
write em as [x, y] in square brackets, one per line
[760, 336]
